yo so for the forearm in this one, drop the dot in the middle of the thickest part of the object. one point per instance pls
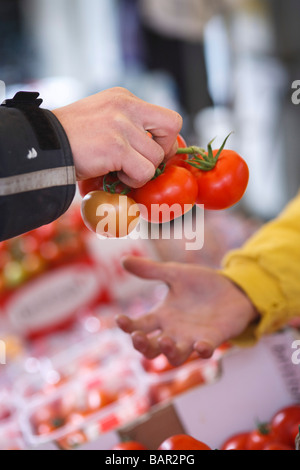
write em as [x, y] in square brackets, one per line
[37, 175]
[267, 269]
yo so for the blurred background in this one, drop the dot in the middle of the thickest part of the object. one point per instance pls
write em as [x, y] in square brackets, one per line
[224, 64]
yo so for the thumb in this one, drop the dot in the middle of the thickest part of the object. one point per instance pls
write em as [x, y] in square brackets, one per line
[148, 269]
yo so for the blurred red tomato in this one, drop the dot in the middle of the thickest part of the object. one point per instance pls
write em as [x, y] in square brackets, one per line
[109, 183]
[129, 445]
[259, 438]
[278, 446]
[183, 442]
[284, 423]
[236, 442]
[180, 159]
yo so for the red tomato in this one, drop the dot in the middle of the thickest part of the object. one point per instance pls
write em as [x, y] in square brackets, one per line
[28, 244]
[46, 232]
[5, 257]
[92, 184]
[224, 185]
[183, 442]
[259, 439]
[284, 423]
[236, 442]
[98, 399]
[181, 142]
[109, 215]
[33, 264]
[50, 252]
[278, 446]
[130, 445]
[168, 196]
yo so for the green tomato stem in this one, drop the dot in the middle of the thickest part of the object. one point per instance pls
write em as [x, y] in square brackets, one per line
[191, 151]
[111, 188]
[207, 160]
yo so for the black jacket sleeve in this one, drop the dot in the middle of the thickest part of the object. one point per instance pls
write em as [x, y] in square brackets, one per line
[37, 174]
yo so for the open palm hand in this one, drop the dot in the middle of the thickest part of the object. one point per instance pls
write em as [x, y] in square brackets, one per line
[202, 310]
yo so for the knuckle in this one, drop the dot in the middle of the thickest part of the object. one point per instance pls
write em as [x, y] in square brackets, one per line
[175, 122]
[119, 122]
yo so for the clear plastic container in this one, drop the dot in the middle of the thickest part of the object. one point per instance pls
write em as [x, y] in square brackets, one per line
[166, 382]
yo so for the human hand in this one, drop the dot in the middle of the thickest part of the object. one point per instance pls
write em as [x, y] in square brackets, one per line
[107, 133]
[203, 309]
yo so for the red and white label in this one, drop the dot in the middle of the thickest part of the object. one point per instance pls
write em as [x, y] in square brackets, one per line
[53, 298]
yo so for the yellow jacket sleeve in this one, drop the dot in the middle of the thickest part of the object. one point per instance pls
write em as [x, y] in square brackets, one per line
[267, 269]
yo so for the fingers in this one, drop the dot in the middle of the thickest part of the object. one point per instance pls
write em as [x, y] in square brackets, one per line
[205, 349]
[148, 346]
[164, 125]
[173, 151]
[136, 170]
[176, 352]
[208, 340]
[107, 132]
[145, 144]
[148, 269]
[152, 346]
[141, 158]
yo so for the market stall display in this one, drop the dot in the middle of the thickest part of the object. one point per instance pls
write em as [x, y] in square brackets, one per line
[80, 384]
